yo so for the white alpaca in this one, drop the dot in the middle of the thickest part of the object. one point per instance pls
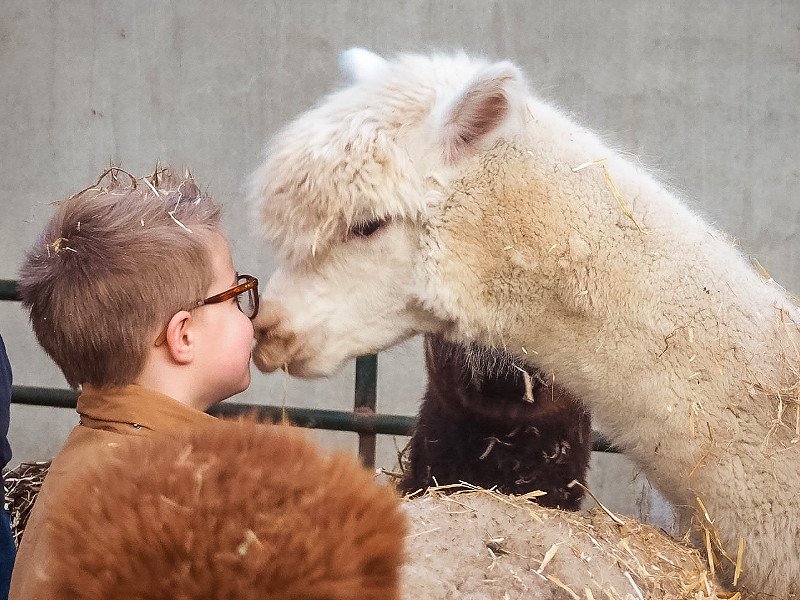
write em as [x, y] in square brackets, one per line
[435, 194]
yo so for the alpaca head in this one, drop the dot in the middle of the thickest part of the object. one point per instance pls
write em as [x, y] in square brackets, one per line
[345, 194]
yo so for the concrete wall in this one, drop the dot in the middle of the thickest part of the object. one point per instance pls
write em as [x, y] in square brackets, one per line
[704, 92]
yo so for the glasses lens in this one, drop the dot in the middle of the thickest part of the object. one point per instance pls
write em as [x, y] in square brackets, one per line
[247, 301]
[252, 303]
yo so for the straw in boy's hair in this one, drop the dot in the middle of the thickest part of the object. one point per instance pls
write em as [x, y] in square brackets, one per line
[238, 510]
[113, 264]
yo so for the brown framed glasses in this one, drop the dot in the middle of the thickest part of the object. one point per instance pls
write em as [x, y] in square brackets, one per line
[245, 292]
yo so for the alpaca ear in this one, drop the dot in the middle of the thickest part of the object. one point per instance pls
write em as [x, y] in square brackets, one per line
[358, 64]
[480, 108]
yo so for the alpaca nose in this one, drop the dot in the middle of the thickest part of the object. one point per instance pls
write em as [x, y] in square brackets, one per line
[269, 317]
[275, 345]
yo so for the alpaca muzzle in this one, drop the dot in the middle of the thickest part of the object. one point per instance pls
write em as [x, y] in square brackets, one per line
[275, 345]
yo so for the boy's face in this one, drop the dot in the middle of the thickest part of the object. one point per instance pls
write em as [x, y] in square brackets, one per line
[226, 334]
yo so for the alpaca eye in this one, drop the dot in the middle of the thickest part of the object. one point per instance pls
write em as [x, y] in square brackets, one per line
[367, 228]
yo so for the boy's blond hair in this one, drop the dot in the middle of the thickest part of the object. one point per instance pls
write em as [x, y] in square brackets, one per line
[114, 263]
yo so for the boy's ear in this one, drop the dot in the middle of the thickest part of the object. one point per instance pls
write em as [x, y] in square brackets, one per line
[179, 337]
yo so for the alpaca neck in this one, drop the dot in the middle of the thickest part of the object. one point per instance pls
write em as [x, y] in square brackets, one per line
[578, 261]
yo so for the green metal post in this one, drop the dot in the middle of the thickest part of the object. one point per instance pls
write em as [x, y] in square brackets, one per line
[365, 401]
[8, 290]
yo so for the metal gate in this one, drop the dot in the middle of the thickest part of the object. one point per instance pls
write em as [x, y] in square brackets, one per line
[363, 420]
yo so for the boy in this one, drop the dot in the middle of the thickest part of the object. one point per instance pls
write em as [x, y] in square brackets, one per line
[132, 292]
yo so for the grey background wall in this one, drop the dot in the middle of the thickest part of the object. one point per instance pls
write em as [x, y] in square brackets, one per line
[705, 93]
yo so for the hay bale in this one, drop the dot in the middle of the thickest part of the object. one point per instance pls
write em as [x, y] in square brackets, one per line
[22, 485]
[476, 544]
[481, 545]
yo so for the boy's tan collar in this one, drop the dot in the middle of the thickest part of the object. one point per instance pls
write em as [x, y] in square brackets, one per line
[137, 407]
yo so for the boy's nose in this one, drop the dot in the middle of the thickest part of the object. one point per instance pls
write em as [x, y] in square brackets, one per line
[274, 346]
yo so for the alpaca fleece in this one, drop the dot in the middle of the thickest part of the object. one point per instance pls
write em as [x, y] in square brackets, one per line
[476, 425]
[238, 511]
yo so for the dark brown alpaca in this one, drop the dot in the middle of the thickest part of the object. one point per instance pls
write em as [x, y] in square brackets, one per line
[240, 511]
[481, 424]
